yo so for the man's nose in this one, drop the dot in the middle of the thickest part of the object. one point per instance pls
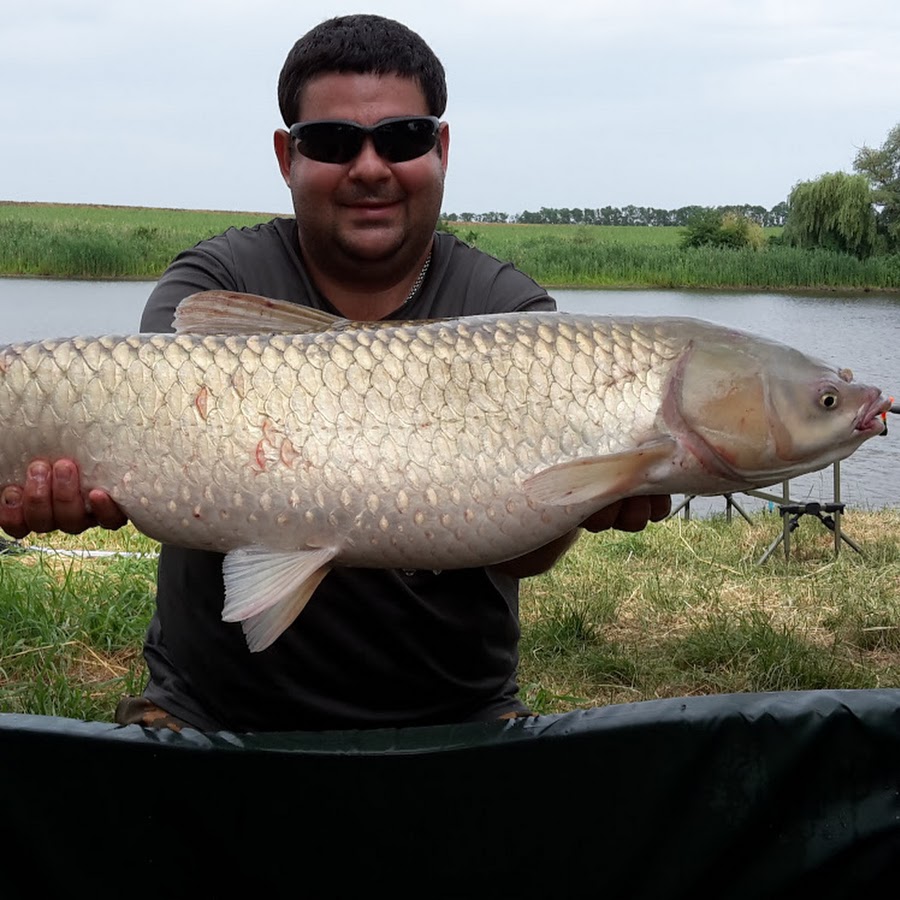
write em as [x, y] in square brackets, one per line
[368, 164]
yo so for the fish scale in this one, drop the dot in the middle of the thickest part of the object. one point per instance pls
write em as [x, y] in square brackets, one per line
[438, 444]
[135, 427]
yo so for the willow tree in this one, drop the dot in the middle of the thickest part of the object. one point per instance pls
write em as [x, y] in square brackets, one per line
[882, 167]
[834, 212]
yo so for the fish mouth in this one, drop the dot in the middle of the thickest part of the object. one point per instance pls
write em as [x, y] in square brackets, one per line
[870, 418]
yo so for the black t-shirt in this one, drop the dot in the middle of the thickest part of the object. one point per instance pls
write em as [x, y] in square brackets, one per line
[373, 647]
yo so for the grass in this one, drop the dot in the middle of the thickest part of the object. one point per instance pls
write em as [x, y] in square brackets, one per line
[682, 608]
[131, 242]
[73, 627]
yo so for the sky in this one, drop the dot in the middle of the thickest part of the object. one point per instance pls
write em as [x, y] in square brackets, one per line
[556, 103]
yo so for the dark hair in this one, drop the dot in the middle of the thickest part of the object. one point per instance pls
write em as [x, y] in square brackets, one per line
[362, 44]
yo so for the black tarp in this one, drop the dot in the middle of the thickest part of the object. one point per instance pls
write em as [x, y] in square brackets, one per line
[732, 796]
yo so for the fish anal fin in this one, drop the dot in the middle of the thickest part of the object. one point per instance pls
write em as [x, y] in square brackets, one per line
[230, 312]
[599, 478]
[266, 589]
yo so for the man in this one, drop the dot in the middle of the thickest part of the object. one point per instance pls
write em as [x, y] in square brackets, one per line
[364, 155]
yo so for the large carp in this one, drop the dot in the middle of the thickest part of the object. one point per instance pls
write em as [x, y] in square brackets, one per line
[293, 441]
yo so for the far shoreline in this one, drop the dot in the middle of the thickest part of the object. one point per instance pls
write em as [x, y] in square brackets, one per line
[105, 242]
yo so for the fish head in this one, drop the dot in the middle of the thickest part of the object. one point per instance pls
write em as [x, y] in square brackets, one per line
[756, 412]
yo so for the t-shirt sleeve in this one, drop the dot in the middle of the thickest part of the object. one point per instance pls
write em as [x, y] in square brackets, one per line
[204, 267]
[468, 282]
[514, 291]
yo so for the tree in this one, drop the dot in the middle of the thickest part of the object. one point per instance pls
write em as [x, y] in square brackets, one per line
[834, 212]
[882, 168]
[741, 230]
[701, 228]
[719, 228]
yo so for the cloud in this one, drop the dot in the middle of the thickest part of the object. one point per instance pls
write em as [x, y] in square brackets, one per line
[551, 104]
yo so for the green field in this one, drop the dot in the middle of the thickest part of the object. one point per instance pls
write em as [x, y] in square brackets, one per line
[130, 242]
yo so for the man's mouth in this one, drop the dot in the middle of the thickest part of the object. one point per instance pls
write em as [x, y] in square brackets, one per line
[370, 202]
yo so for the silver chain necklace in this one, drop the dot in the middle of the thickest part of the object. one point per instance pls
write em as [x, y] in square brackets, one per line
[417, 285]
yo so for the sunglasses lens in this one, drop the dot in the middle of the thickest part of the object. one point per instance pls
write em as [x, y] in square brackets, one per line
[330, 142]
[395, 140]
[405, 139]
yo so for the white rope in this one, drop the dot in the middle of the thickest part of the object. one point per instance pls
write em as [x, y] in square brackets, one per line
[15, 547]
[95, 554]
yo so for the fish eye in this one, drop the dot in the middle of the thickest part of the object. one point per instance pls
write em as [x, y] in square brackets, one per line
[829, 400]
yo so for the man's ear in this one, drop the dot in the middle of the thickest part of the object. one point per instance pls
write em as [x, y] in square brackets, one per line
[443, 146]
[284, 146]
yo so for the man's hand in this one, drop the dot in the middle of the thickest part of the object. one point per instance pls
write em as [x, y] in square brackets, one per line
[51, 499]
[630, 514]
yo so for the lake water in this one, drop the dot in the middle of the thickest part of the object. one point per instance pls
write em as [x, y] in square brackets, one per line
[36, 308]
[857, 332]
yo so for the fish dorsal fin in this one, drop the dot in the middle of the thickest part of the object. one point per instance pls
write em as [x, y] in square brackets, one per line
[600, 478]
[266, 589]
[229, 312]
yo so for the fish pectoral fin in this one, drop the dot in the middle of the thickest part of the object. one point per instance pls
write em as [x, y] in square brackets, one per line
[606, 478]
[265, 590]
[229, 312]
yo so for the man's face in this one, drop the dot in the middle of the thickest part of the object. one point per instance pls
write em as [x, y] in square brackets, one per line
[367, 219]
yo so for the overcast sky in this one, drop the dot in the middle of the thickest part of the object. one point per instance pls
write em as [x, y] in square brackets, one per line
[555, 103]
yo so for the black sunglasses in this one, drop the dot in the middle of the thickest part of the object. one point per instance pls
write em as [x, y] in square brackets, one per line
[338, 140]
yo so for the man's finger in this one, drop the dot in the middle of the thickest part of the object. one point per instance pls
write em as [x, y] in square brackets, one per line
[106, 511]
[12, 518]
[69, 512]
[634, 514]
[604, 518]
[37, 499]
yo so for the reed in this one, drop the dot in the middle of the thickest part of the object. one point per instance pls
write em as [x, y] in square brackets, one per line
[103, 242]
[603, 260]
[679, 609]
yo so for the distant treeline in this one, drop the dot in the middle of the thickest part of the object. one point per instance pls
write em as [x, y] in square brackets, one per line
[626, 215]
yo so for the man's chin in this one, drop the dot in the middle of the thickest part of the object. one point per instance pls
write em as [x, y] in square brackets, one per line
[372, 244]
